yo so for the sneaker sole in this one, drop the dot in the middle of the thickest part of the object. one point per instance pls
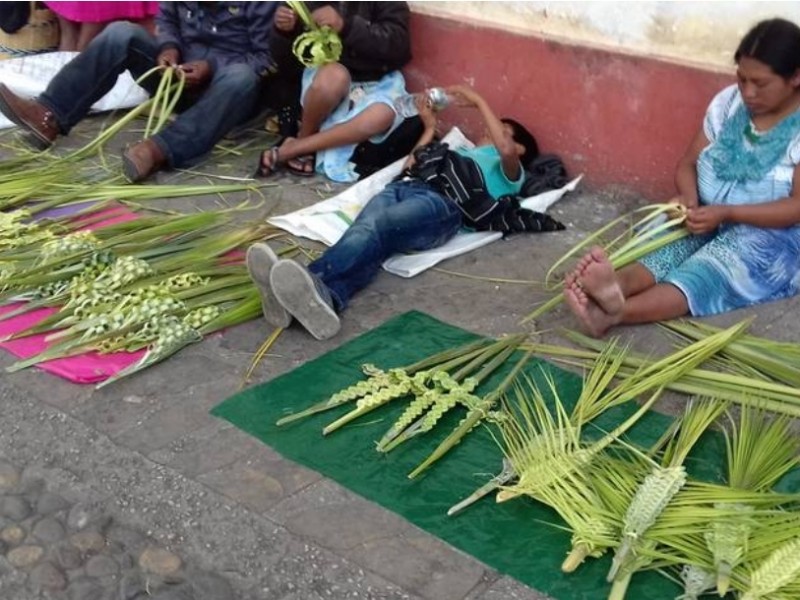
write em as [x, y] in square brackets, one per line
[295, 290]
[260, 259]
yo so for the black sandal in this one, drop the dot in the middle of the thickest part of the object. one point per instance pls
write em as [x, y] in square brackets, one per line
[302, 163]
[263, 170]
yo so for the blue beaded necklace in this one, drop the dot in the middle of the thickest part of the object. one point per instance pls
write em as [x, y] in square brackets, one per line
[742, 154]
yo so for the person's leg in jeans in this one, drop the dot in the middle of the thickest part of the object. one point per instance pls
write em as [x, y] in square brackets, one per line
[90, 75]
[229, 100]
[404, 217]
[80, 83]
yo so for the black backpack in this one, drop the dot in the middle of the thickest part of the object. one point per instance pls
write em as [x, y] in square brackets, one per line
[370, 157]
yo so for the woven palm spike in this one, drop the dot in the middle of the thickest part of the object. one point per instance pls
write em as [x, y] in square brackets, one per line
[376, 380]
[428, 408]
[124, 271]
[173, 335]
[25, 236]
[92, 266]
[696, 582]
[461, 395]
[202, 316]
[79, 241]
[780, 569]
[655, 493]
[401, 384]
[727, 538]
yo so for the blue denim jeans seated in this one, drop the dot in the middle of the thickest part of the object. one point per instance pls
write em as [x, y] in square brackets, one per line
[407, 216]
[228, 100]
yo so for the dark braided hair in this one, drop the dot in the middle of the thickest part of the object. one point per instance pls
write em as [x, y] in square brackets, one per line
[774, 42]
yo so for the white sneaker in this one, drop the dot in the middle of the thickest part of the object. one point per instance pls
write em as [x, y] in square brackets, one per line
[260, 260]
[310, 303]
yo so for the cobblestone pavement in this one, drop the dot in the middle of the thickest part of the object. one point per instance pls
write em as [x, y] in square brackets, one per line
[134, 491]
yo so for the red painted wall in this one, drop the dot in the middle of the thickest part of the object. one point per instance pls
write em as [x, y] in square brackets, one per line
[620, 119]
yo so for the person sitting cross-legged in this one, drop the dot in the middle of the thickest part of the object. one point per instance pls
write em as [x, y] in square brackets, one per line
[422, 209]
[739, 182]
[221, 49]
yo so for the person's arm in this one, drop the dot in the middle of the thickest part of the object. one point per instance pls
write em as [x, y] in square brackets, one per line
[168, 28]
[686, 172]
[428, 116]
[384, 37]
[260, 17]
[505, 145]
[777, 214]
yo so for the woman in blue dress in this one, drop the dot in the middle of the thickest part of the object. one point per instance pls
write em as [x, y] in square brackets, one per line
[740, 183]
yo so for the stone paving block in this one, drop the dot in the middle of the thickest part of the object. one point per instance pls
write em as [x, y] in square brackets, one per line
[507, 588]
[336, 518]
[53, 390]
[376, 539]
[181, 416]
[260, 481]
[422, 564]
[308, 572]
[207, 449]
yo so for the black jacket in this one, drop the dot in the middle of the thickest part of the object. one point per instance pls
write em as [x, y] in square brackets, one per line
[460, 179]
[375, 38]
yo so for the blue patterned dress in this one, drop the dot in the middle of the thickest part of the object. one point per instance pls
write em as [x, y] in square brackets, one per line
[738, 265]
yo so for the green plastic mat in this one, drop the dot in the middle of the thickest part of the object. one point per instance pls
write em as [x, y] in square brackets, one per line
[520, 538]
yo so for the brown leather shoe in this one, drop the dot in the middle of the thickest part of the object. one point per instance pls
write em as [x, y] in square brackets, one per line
[142, 160]
[32, 116]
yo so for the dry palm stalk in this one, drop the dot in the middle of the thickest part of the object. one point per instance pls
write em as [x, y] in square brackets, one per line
[776, 360]
[640, 239]
[745, 390]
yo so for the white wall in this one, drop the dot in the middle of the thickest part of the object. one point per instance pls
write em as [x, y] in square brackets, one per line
[699, 33]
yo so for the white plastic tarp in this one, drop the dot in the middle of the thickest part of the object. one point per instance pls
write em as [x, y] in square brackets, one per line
[28, 76]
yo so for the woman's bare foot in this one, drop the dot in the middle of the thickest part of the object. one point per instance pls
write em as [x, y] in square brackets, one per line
[595, 254]
[596, 276]
[595, 321]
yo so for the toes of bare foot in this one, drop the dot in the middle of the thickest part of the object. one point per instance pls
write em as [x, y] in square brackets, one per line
[598, 254]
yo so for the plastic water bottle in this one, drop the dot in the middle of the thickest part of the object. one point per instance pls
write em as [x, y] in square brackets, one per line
[406, 106]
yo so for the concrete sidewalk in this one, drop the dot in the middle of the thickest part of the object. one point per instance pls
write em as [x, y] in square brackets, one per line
[185, 502]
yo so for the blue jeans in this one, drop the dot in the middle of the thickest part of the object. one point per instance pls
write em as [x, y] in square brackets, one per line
[226, 101]
[407, 216]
